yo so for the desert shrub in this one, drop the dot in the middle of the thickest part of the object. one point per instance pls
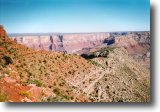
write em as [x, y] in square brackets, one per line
[1, 75]
[55, 99]
[65, 56]
[1, 43]
[108, 49]
[69, 72]
[3, 97]
[67, 97]
[24, 93]
[62, 83]
[11, 50]
[93, 62]
[7, 60]
[57, 91]
[38, 83]
[44, 61]
[29, 73]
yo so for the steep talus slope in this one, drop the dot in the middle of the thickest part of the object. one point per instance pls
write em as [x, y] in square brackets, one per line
[117, 78]
[41, 68]
[125, 80]
[11, 88]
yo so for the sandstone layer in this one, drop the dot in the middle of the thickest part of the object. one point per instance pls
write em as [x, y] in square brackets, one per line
[69, 43]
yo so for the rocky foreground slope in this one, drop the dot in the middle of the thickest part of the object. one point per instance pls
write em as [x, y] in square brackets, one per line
[28, 75]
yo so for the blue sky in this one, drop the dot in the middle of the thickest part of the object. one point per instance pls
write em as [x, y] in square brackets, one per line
[42, 16]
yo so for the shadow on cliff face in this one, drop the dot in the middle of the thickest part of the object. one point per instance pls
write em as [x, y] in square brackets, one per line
[100, 53]
[51, 39]
[88, 56]
[61, 38]
[109, 41]
[52, 45]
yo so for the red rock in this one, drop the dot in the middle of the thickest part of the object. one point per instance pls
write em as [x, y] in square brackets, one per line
[13, 89]
[2, 31]
[66, 42]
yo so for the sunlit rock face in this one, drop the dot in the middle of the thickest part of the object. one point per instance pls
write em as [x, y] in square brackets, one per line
[69, 43]
[2, 32]
[76, 42]
[44, 42]
[136, 43]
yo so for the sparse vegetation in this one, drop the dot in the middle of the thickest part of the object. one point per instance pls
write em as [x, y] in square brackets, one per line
[37, 82]
[24, 93]
[57, 99]
[57, 91]
[3, 96]
[7, 60]
[93, 62]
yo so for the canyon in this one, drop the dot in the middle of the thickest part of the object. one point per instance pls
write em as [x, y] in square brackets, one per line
[107, 69]
[69, 43]
[137, 44]
[72, 43]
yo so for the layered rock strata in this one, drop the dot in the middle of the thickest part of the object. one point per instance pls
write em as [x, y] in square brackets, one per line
[69, 43]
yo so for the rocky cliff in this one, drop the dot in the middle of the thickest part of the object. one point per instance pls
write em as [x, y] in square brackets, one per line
[69, 43]
[134, 42]
[44, 42]
[137, 45]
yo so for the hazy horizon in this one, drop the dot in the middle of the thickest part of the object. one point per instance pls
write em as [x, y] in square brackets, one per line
[77, 32]
[74, 16]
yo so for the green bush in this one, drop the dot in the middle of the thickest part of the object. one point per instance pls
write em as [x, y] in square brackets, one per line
[7, 60]
[38, 83]
[93, 62]
[24, 93]
[57, 91]
[3, 97]
[67, 97]
[55, 99]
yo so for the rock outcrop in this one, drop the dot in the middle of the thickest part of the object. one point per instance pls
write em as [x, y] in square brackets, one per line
[2, 32]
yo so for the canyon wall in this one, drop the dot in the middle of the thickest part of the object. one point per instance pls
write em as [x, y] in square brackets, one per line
[137, 45]
[134, 42]
[69, 43]
[43, 42]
